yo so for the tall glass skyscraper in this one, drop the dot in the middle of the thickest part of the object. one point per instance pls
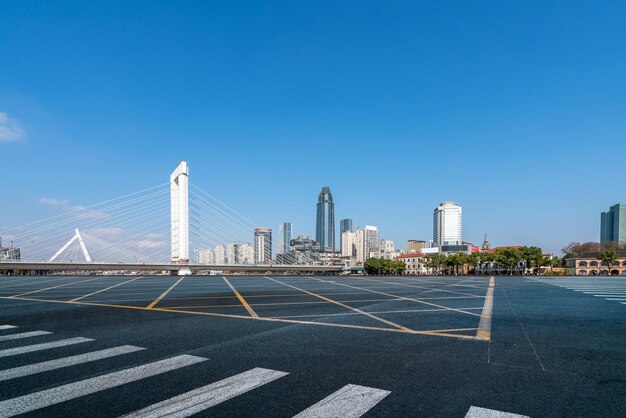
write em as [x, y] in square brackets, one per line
[613, 224]
[325, 225]
[284, 235]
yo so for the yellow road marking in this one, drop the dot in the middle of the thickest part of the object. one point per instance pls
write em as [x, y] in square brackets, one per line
[393, 324]
[402, 297]
[157, 300]
[287, 295]
[104, 290]
[241, 299]
[484, 327]
[289, 321]
[54, 287]
[281, 303]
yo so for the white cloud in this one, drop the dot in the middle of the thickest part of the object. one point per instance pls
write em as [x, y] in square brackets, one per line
[53, 202]
[146, 243]
[78, 211]
[10, 130]
[105, 232]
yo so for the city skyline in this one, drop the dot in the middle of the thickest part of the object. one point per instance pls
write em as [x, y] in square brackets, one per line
[498, 113]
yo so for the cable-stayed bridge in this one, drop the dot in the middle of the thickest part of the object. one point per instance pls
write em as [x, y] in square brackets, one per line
[172, 227]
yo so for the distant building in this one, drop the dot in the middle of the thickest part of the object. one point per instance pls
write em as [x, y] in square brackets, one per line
[447, 224]
[486, 245]
[239, 253]
[304, 250]
[613, 224]
[9, 253]
[325, 222]
[367, 242]
[349, 243]
[415, 246]
[387, 246]
[587, 264]
[214, 256]
[415, 263]
[345, 225]
[230, 253]
[262, 245]
[386, 250]
[284, 235]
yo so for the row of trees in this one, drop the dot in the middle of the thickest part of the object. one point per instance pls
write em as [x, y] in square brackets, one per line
[385, 267]
[576, 249]
[506, 258]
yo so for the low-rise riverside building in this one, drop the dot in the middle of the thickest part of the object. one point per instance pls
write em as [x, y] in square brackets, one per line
[588, 264]
[415, 263]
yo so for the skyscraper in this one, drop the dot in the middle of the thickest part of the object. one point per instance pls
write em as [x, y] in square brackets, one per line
[284, 235]
[262, 245]
[447, 224]
[325, 226]
[345, 225]
[613, 224]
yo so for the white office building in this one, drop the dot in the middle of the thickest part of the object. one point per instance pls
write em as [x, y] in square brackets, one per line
[349, 244]
[367, 242]
[447, 224]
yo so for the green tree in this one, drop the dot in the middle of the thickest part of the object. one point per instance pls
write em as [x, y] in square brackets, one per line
[436, 262]
[608, 257]
[508, 257]
[534, 258]
[380, 266]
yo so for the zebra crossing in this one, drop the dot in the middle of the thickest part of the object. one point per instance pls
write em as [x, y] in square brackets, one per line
[350, 401]
[612, 289]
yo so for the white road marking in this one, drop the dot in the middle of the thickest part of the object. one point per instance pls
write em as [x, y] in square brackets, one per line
[23, 335]
[476, 412]
[65, 362]
[45, 346]
[44, 398]
[351, 401]
[38, 347]
[7, 326]
[198, 400]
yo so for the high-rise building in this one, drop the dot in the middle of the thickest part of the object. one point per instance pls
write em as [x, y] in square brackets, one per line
[367, 242]
[325, 225]
[447, 224]
[262, 245]
[613, 224]
[345, 225]
[284, 235]
[349, 244]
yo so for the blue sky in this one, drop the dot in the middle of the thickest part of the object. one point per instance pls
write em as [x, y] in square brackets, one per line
[515, 109]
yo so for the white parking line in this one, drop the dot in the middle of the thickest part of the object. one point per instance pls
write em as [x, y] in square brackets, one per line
[198, 400]
[23, 335]
[351, 401]
[44, 398]
[7, 327]
[45, 346]
[46, 366]
[476, 412]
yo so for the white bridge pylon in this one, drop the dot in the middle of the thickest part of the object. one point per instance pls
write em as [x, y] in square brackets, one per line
[82, 247]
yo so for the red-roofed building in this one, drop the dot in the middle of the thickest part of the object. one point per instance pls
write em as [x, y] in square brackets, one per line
[415, 263]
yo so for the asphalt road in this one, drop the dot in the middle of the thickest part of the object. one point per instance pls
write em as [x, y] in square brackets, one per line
[318, 346]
